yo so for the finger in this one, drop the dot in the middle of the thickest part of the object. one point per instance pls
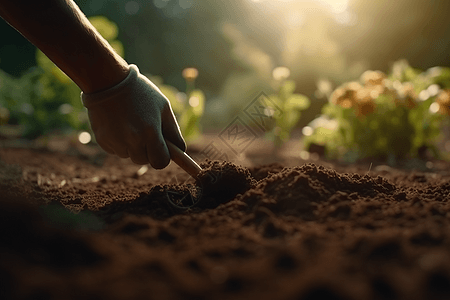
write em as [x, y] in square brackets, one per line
[105, 147]
[158, 153]
[138, 155]
[121, 152]
[172, 132]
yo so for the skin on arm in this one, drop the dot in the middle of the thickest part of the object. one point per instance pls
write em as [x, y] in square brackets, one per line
[129, 115]
[63, 33]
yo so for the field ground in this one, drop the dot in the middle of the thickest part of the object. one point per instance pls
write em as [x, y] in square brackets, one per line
[304, 230]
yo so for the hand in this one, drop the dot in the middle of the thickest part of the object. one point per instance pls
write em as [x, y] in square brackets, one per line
[133, 119]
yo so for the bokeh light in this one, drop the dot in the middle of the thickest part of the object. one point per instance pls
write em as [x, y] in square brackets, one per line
[281, 73]
[132, 7]
[84, 137]
[194, 101]
[190, 74]
[307, 131]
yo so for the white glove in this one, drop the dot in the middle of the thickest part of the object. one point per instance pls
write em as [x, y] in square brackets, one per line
[132, 119]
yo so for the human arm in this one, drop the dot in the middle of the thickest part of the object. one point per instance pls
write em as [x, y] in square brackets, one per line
[137, 118]
[64, 34]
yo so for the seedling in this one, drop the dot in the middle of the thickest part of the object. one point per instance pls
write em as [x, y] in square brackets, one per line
[390, 117]
[290, 105]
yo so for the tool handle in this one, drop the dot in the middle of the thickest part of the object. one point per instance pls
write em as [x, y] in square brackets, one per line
[183, 160]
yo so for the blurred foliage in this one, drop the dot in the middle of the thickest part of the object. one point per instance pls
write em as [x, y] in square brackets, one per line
[390, 117]
[236, 44]
[290, 106]
[315, 38]
[188, 106]
[41, 101]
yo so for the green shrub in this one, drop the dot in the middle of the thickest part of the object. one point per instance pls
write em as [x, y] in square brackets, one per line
[390, 117]
[290, 105]
[287, 107]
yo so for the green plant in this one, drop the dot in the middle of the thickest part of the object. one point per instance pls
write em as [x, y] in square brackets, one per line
[390, 117]
[288, 104]
[188, 107]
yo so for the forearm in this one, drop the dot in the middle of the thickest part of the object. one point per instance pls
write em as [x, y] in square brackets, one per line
[60, 30]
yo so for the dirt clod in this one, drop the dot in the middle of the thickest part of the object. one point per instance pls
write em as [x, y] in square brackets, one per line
[221, 182]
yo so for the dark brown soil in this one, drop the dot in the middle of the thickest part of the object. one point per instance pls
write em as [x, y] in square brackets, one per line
[278, 230]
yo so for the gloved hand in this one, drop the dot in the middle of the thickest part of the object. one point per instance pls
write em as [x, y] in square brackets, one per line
[132, 119]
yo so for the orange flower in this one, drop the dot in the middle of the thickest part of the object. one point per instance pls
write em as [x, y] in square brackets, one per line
[345, 95]
[373, 78]
[190, 74]
[443, 99]
[365, 102]
[406, 96]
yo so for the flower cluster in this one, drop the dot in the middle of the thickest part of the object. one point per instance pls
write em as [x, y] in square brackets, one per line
[362, 96]
[384, 115]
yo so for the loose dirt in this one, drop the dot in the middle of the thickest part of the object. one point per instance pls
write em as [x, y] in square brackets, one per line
[271, 230]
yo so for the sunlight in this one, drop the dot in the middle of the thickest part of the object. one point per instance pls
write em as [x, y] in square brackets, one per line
[335, 6]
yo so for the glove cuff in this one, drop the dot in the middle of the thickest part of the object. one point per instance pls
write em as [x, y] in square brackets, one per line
[90, 100]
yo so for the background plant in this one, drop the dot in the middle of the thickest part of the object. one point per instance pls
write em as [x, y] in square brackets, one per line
[389, 117]
[188, 107]
[288, 104]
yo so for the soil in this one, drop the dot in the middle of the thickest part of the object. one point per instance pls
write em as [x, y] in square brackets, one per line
[99, 227]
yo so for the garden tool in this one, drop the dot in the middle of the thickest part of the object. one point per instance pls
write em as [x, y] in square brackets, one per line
[183, 160]
[215, 184]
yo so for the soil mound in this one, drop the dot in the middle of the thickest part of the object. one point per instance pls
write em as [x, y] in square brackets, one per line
[297, 191]
[221, 182]
[301, 232]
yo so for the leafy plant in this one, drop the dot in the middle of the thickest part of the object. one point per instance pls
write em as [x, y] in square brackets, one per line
[188, 107]
[288, 104]
[390, 117]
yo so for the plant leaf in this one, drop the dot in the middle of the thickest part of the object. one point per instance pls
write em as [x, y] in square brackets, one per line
[297, 101]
